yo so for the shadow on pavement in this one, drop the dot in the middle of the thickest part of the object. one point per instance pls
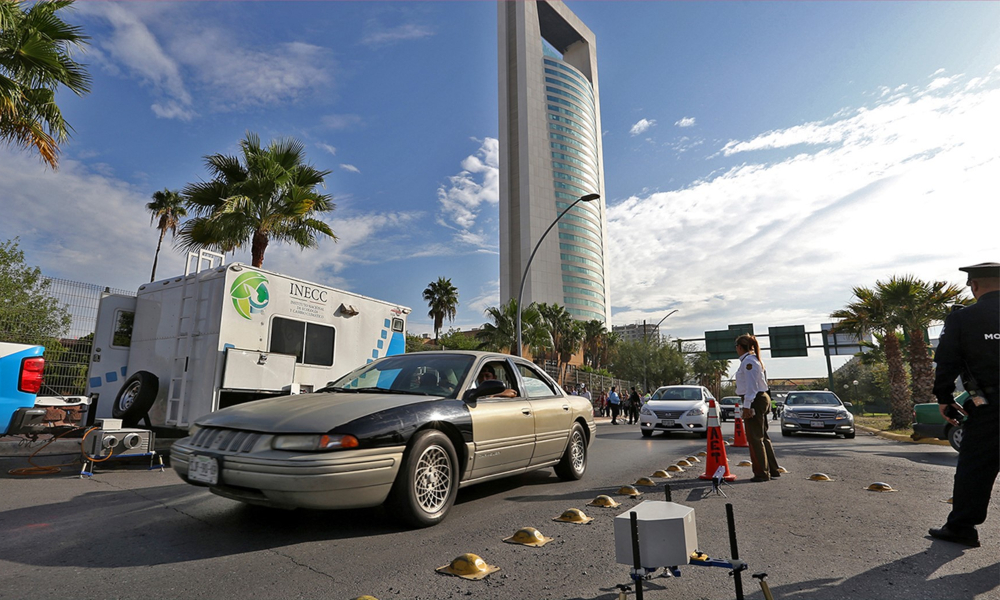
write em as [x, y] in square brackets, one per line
[908, 577]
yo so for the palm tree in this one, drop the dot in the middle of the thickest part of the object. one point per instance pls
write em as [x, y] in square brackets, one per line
[917, 304]
[593, 332]
[500, 335]
[872, 313]
[168, 207]
[269, 194]
[442, 298]
[35, 62]
[566, 333]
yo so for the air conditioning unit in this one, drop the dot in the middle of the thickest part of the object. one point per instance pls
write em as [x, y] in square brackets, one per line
[102, 443]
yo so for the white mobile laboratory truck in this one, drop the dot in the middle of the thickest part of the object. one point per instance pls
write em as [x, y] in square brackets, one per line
[226, 334]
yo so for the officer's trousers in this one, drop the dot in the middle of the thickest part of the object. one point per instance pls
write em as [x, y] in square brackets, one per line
[761, 452]
[978, 465]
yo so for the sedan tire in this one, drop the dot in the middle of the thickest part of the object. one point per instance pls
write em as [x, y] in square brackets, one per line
[646, 432]
[427, 482]
[786, 433]
[574, 460]
[955, 437]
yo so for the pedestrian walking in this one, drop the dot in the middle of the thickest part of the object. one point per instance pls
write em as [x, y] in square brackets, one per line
[614, 403]
[969, 346]
[751, 386]
[632, 406]
[585, 393]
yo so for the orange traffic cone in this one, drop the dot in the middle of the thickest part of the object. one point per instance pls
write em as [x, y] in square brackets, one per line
[740, 435]
[716, 447]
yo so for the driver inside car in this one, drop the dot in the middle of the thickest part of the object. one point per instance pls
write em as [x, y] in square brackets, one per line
[488, 373]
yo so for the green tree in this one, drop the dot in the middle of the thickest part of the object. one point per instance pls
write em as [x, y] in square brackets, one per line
[456, 340]
[167, 208]
[264, 194]
[566, 334]
[36, 60]
[650, 362]
[442, 298]
[28, 314]
[872, 312]
[709, 372]
[594, 333]
[917, 304]
[500, 333]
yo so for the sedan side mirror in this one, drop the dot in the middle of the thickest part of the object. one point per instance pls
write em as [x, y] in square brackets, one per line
[490, 387]
[848, 404]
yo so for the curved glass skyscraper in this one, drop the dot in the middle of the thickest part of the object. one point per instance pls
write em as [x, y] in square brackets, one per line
[550, 155]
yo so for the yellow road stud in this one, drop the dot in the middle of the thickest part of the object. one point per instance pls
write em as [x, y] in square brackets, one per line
[693, 459]
[528, 536]
[661, 474]
[573, 515]
[605, 501]
[683, 463]
[703, 453]
[744, 463]
[468, 566]
[819, 477]
[675, 469]
[645, 481]
[629, 490]
[878, 486]
[782, 470]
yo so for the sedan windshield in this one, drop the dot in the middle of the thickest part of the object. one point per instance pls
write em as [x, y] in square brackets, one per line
[812, 399]
[418, 373]
[676, 393]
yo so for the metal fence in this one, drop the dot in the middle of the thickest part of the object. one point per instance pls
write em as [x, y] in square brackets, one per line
[67, 357]
[573, 377]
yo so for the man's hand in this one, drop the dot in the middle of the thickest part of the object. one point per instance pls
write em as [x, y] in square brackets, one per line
[747, 413]
[944, 412]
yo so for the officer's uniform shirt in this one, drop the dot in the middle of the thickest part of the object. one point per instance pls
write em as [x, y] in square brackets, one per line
[750, 379]
[970, 338]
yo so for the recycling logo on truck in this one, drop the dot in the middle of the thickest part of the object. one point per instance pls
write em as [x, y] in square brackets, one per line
[249, 293]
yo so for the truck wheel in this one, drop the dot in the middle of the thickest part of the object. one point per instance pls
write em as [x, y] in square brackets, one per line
[574, 459]
[136, 398]
[427, 482]
[955, 437]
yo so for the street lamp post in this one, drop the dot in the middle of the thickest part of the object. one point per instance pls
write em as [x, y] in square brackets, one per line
[524, 276]
[645, 347]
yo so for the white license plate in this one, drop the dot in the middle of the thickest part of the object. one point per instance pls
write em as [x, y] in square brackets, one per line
[819, 424]
[204, 469]
[667, 422]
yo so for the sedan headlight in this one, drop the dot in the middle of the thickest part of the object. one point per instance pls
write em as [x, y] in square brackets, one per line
[696, 412]
[314, 443]
[645, 410]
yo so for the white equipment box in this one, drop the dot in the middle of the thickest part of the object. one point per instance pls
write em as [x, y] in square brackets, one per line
[667, 534]
[119, 442]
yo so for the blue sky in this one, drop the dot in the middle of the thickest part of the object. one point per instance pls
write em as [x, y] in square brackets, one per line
[761, 158]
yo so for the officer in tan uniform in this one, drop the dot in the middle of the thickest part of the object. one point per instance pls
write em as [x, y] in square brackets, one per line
[751, 386]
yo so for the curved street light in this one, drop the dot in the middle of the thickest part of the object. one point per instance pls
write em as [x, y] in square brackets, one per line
[645, 343]
[524, 276]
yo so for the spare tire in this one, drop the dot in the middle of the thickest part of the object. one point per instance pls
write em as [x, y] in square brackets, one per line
[135, 398]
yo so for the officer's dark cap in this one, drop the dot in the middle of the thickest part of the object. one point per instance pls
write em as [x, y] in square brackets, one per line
[982, 270]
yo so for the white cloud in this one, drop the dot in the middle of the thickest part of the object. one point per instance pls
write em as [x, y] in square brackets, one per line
[80, 224]
[685, 122]
[461, 200]
[379, 36]
[187, 61]
[350, 168]
[327, 148]
[340, 121]
[878, 191]
[642, 126]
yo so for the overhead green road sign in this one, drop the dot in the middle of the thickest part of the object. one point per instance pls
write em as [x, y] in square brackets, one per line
[788, 341]
[721, 344]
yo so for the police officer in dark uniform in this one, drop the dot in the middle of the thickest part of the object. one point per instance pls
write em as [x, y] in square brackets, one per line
[970, 346]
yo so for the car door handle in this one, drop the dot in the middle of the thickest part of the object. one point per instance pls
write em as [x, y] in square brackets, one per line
[566, 407]
[526, 412]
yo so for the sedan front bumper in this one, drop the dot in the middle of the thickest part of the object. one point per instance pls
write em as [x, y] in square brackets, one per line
[327, 480]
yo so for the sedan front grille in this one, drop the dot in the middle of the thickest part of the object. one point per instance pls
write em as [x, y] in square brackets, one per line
[225, 440]
[815, 415]
[668, 414]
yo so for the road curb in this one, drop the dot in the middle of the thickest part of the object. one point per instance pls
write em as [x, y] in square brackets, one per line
[899, 437]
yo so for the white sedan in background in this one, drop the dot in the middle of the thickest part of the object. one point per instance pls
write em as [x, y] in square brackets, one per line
[676, 408]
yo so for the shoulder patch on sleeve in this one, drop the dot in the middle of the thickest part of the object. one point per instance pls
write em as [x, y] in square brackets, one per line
[749, 366]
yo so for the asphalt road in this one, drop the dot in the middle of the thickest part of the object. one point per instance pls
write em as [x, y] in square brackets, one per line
[129, 533]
